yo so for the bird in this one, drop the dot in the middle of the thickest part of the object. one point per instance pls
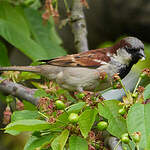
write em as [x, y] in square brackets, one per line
[83, 71]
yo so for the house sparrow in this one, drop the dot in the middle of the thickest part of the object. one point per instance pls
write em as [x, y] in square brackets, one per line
[84, 71]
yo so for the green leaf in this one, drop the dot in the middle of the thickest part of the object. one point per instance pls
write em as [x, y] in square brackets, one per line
[28, 125]
[29, 106]
[60, 141]
[14, 15]
[24, 114]
[138, 120]
[10, 33]
[116, 123]
[45, 35]
[147, 92]
[86, 121]
[75, 108]
[38, 142]
[3, 55]
[77, 143]
[62, 121]
[12, 132]
[28, 75]
[40, 93]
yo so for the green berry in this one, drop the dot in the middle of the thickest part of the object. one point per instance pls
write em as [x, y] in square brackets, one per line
[136, 137]
[59, 105]
[81, 95]
[73, 118]
[115, 86]
[142, 75]
[122, 111]
[135, 95]
[125, 134]
[125, 138]
[102, 125]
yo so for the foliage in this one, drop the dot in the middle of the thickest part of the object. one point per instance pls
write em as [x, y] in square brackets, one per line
[23, 28]
[61, 121]
[53, 127]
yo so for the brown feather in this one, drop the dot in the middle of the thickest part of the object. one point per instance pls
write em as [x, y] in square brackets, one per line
[92, 58]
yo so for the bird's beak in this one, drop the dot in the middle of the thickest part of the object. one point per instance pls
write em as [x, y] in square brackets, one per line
[142, 55]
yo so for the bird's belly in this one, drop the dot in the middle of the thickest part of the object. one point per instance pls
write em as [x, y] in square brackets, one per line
[81, 79]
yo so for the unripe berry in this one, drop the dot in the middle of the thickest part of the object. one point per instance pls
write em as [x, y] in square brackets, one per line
[59, 105]
[125, 138]
[136, 136]
[81, 95]
[122, 111]
[102, 125]
[73, 118]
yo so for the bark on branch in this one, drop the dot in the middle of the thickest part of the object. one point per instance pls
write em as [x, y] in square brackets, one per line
[78, 26]
[18, 90]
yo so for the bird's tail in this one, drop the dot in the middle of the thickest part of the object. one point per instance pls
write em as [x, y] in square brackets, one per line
[35, 69]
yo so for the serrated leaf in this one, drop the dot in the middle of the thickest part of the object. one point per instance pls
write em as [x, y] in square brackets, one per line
[60, 141]
[109, 110]
[77, 143]
[35, 142]
[147, 92]
[24, 114]
[86, 121]
[75, 108]
[138, 120]
[28, 125]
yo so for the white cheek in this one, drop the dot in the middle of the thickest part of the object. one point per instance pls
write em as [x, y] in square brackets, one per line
[122, 57]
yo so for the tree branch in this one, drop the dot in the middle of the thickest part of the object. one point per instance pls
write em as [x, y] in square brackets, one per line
[78, 26]
[18, 90]
[111, 142]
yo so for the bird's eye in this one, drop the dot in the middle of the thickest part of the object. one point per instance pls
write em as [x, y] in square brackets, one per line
[130, 50]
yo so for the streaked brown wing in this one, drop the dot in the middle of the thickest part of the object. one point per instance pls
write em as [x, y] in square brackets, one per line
[92, 58]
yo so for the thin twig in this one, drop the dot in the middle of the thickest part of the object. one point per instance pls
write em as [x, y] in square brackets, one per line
[115, 148]
[140, 78]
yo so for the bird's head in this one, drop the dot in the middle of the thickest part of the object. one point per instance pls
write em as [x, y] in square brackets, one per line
[129, 50]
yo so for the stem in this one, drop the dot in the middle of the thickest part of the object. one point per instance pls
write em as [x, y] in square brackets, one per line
[137, 146]
[66, 5]
[115, 148]
[139, 80]
[61, 121]
[66, 112]
[130, 147]
[123, 87]
[56, 5]
[43, 115]
[2, 129]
